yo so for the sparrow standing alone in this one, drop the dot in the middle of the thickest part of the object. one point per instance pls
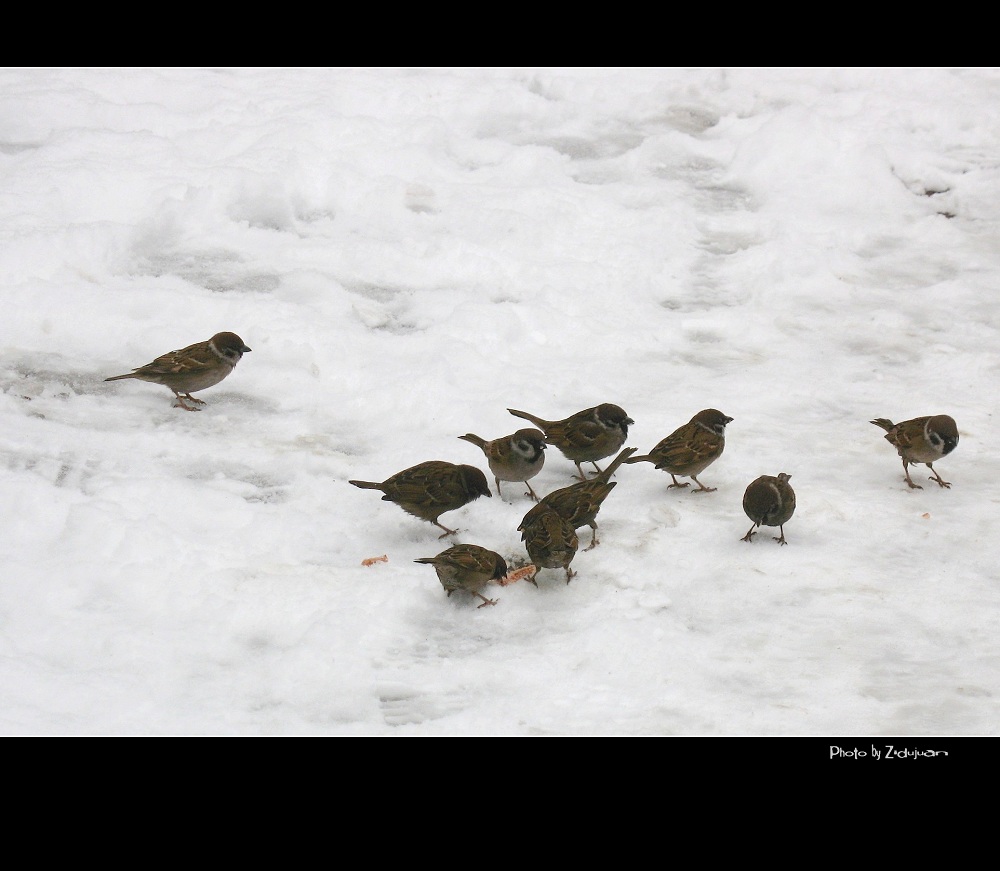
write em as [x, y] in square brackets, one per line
[691, 448]
[516, 457]
[587, 436]
[428, 490]
[192, 368]
[550, 539]
[467, 567]
[769, 501]
[921, 440]
[579, 504]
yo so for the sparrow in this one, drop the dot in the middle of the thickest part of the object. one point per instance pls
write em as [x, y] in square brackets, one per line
[921, 440]
[690, 449]
[428, 490]
[467, 567]
[550, 539]
[192, 368]
[515, 457]
[769, 501]
[587, 436]
[579, 503]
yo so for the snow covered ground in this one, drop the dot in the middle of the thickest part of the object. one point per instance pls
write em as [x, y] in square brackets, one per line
[411, 252]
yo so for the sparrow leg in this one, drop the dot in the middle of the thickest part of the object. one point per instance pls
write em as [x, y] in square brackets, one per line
[677, 483]
[701, 487]
[194, 400]
[781, 539]
[937, 477]
[498, 488]
[486, 601]
[749, 535]
[570, 574]
[909, 480]
[446, 531]
[593, 542]
[531, 492]
[180, 403]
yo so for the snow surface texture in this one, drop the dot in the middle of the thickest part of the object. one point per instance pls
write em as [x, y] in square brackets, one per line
[410, 252]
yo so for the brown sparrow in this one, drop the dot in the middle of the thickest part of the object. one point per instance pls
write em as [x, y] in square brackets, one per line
[467, 567]
[691, 448]
[192, 368]
[428, 490]
[550, 539]
[921, 440]
[587, 436]
[580, 503]
[516, 457]
[769, 501]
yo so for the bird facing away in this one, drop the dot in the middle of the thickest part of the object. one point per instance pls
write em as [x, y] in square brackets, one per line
[550, 539]
[428, 490]
[587, 436]
[516, 457]
[690, 449]
[467, 567]
[193, 368]
[580, 503]
[921, 440]
[769, 501]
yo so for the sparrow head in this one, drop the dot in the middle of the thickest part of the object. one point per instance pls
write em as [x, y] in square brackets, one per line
[529, 442]
[229, 346]
[500, 569]
[942, 433]
[475, 482]
[614, 417]
[713, 419]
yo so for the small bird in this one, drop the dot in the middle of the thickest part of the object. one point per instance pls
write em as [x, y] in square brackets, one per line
[192, 368]
[587, 436]
[428, 490]
[515, 457]
[467, 567]
[769, 501]
[550, 540]
[921, 440]
[580, 503]
[690, 449]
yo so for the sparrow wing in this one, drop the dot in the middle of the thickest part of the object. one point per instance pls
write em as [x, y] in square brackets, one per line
[580, 434]
[908, 433]
[429, 484]
[686, 447]
[193, 358]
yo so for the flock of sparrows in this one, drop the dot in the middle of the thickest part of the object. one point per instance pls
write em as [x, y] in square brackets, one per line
[430, 489]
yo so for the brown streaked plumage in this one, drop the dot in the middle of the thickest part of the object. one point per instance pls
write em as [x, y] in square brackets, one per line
[550, 539]
[690, 449]
[516, 457]
[193, 368]
[580, 503]
[769, 501]
[428, 490]
[921, 440]
[467, 567]
[587, 436]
